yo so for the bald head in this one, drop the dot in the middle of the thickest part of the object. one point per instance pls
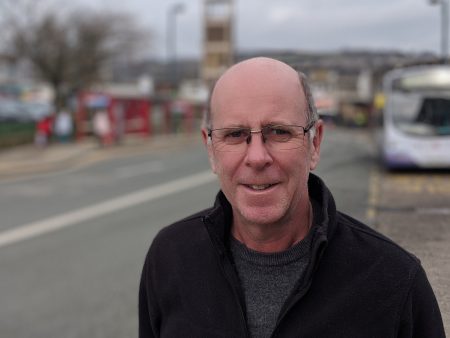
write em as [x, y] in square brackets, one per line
[261, 72]
[262, 75]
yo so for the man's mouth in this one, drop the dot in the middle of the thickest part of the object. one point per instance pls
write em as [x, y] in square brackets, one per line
[259, 186]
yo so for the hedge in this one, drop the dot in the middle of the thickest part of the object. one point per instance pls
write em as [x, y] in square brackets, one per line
[16, 133]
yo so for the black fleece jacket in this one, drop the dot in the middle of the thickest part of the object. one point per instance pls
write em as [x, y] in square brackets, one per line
[358, 283]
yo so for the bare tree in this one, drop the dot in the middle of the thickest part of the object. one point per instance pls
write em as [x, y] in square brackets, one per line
[71, 50]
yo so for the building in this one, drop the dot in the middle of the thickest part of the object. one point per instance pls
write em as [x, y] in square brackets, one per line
[218, 44]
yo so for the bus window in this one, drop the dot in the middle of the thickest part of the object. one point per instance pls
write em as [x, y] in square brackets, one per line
[421, 116]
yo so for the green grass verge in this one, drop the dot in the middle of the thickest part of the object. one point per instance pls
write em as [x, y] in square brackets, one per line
[15, 133]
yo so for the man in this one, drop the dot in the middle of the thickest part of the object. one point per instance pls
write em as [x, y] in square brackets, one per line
[273, 257]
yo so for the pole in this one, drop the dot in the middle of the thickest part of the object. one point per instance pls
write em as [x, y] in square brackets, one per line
[444, 28]
[171, 40]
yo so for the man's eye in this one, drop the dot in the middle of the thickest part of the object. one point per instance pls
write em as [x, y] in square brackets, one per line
[235, 134]
[280, 131]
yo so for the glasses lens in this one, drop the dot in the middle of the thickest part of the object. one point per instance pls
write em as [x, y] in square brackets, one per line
[230, 139]
[283, 137]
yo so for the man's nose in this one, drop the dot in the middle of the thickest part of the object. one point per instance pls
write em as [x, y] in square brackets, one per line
[258, 156]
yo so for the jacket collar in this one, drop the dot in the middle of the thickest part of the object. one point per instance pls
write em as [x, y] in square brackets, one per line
[324, 206]
[218, 222]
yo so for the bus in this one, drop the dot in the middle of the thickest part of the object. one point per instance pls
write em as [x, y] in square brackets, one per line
[416, 118]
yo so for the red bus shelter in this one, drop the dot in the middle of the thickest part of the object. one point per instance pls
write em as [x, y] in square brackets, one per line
[127, 114]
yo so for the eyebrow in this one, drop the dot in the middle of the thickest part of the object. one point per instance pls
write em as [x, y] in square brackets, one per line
[271, 123]
[231, 126]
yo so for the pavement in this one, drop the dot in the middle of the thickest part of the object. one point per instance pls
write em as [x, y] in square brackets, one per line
[29, 160]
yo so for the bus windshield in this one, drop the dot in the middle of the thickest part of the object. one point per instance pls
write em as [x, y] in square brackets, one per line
[421, 114]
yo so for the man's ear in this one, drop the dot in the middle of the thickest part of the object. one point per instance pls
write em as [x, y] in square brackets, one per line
[207, 142]
[315, 145]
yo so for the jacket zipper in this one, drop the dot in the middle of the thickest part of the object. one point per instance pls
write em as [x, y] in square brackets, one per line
[238, 298]
[302, 289]
[230, 276]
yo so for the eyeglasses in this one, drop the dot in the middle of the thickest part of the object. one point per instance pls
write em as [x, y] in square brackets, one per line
[277, 137]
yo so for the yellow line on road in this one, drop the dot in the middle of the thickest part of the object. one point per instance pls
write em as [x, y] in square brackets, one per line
[373, 196]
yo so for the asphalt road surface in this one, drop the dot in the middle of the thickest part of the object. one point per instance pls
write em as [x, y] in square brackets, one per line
[72, 243]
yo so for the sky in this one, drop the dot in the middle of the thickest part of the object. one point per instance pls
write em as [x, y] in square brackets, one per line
[297, 25]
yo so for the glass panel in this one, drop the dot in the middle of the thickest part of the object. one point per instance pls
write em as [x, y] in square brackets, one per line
[421, 115]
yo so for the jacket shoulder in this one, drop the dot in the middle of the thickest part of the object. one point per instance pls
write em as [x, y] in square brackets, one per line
[187, 232]
[373, 242]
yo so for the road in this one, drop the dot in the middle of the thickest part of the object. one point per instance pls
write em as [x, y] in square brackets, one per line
[73, 269]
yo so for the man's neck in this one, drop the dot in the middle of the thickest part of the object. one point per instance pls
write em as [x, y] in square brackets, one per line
[274, 237]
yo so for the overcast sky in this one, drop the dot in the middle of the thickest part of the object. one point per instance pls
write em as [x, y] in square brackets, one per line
[311, 25]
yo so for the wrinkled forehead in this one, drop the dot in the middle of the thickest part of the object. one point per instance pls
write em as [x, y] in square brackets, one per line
[257, 85]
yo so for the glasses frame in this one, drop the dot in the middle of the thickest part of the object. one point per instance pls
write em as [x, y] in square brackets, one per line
[257, 131]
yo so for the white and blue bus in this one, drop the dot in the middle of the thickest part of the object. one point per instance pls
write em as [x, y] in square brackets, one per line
[416, 118]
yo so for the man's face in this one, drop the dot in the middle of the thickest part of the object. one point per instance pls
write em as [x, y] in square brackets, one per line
[262, 185]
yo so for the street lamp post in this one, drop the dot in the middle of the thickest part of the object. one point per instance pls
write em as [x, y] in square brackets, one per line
[171, 41]
[444, 27]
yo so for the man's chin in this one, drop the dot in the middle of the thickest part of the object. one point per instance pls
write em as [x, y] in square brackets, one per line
[260, 216]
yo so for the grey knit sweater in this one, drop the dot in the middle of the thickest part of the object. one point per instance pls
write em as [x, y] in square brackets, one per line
[267, 279]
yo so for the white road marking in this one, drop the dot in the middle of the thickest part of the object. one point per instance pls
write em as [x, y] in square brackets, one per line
[35, 229]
